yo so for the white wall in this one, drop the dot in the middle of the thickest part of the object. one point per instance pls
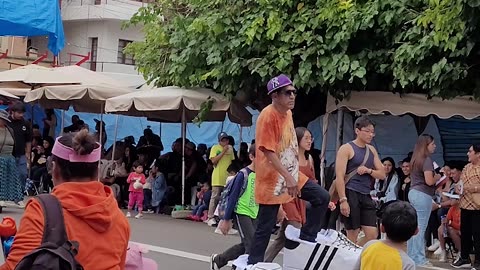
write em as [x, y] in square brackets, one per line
[74, 10]
[108, 32]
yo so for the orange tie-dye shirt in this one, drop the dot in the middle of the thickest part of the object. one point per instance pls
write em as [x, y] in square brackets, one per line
[275, 132]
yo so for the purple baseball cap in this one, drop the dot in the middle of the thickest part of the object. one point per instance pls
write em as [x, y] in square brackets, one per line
[278, 82]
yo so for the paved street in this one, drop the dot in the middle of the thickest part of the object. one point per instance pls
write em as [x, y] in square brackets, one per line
[175, 244]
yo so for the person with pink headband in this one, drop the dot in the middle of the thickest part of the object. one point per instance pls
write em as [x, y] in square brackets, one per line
[89, 208]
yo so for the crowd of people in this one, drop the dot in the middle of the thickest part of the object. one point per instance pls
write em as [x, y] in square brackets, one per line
[394, 213]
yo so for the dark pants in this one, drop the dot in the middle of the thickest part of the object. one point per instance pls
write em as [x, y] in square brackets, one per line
[147, 199]
[246, 228]
[470, 233]
[432, 228]
[267, 217]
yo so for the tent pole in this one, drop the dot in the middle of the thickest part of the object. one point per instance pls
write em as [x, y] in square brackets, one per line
[115, 138]
[324, 148]
[184, 130]
[339, 129]
[62, 126]
[160, 133]
[101, 134]
[241, 134]
[101, 128]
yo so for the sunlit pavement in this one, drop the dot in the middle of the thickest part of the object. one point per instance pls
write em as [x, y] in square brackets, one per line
[178, 244]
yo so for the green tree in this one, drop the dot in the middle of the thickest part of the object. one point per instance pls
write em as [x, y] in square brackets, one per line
[328, 46]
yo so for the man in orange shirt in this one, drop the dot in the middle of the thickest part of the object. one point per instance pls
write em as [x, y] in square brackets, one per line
[278, 179]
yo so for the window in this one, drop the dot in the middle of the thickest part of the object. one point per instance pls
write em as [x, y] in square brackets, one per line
[123, 58]
[93, 53]
[97, 2]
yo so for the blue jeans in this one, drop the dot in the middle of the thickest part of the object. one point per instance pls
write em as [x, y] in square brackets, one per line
[22, 169]
[267, 217]
[198, 210]
[416, 245]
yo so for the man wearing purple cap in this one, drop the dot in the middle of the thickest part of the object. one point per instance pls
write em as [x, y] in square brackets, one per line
[278, 179]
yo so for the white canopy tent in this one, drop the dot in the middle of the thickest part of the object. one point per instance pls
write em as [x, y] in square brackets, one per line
[376, 102]
[175, 104]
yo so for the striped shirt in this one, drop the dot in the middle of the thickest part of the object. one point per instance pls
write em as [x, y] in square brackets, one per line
[470, 176]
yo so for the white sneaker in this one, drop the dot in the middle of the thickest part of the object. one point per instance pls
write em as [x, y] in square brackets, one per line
[438, 251]
[128, 215]
[21, 204]
[149, 211]
[211, 222]
[443, 256]
[427, 264]
[139, 216]
[434, 246]
[232, 232]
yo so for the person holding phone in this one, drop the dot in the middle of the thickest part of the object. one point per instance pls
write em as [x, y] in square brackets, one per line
[422, 189]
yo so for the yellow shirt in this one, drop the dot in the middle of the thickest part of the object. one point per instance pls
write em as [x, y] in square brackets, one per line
[220, 174]
[377, 255]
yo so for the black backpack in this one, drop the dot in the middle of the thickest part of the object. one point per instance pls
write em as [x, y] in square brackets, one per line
[56, 251]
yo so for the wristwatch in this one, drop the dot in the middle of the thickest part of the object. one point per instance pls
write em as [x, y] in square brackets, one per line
[343, 199]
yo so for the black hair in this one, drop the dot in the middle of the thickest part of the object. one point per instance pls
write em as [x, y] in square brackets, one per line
[231, 140]
[363, 122]
[399, 220]
[49, 139]
[136, 163]
[233, 168]
[83, 144]
[35, 126]
[476, 147]
[252, 149]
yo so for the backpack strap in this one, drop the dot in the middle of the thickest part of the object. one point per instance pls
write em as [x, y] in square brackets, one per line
[54, 231]
[245, 180]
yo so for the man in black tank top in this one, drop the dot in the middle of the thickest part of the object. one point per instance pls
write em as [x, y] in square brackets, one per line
[356, 205]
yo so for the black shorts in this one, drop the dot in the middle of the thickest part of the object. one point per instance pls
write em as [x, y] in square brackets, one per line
[362, 211]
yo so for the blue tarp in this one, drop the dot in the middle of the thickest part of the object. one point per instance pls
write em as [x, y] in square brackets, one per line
[127, 125]
[33, 18]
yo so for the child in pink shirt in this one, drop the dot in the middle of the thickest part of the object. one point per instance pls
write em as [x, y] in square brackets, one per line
[136, 179]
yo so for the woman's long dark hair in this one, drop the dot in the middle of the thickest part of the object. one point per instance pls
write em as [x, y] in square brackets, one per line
[384, 184]
[300, 132]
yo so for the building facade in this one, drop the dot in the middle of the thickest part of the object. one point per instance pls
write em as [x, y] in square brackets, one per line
[94, 34]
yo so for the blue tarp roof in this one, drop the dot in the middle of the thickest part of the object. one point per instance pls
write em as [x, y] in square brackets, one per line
[33, 18]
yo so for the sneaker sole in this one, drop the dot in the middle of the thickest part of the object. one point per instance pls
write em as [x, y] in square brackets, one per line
[463, 266]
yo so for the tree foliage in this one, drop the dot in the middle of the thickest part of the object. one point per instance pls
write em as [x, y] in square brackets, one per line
[427, 46]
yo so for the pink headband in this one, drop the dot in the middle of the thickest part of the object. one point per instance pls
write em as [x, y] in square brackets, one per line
[67, 153]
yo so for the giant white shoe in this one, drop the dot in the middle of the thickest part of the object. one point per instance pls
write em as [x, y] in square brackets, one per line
[331, 251]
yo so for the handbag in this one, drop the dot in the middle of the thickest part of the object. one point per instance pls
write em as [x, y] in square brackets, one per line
[333, 189]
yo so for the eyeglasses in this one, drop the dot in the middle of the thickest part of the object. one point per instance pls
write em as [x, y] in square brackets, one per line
[309, 139]
[289, 93]
[368, 131]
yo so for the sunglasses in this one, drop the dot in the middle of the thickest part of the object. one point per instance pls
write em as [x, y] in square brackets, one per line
[289, 93]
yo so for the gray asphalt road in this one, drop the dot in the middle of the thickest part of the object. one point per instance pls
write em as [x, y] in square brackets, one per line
[176, 244]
